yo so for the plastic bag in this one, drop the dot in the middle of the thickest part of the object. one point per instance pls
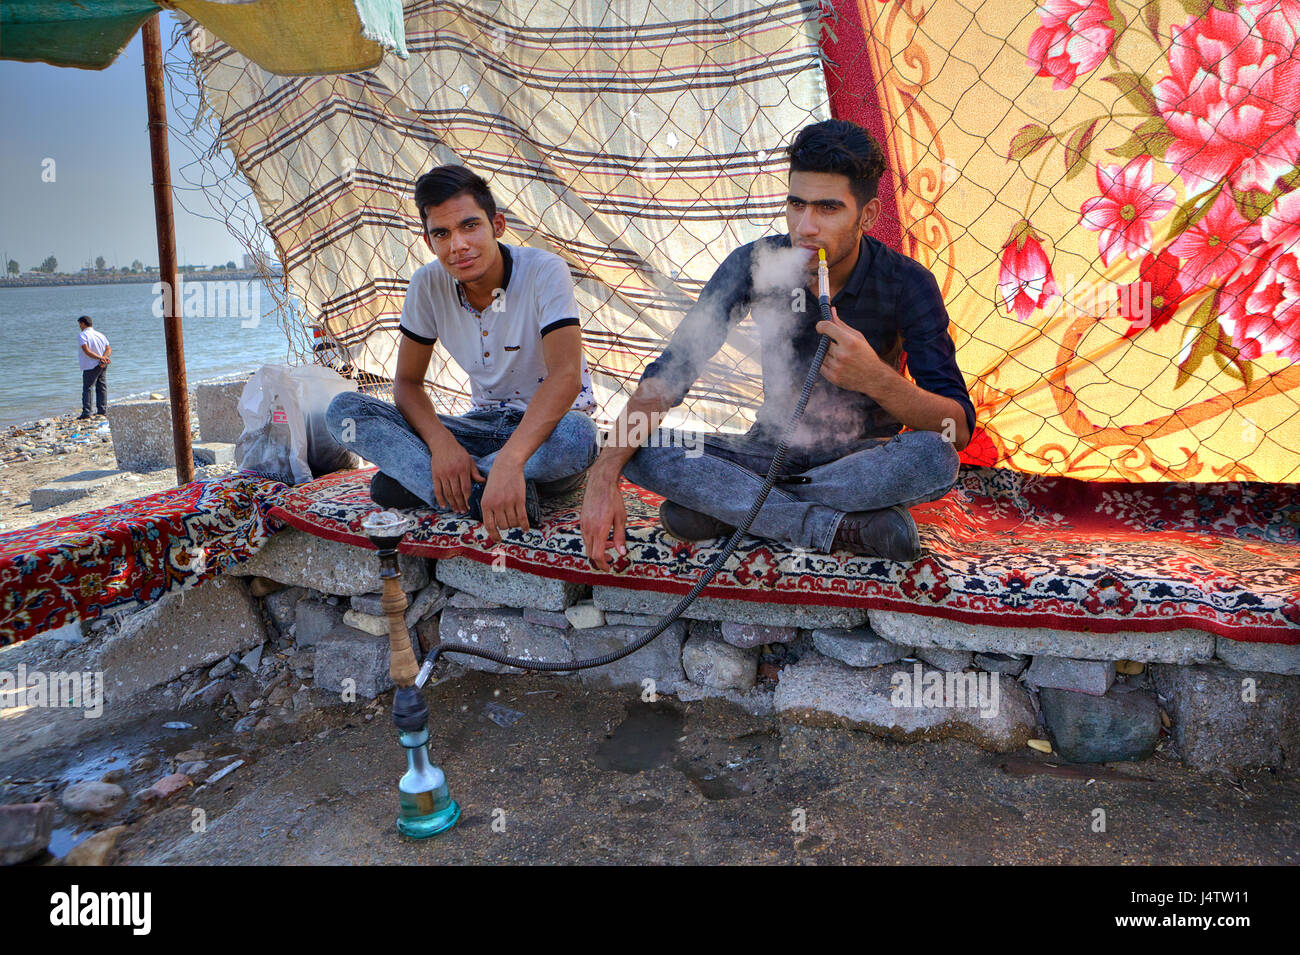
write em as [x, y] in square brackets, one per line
[284, 437]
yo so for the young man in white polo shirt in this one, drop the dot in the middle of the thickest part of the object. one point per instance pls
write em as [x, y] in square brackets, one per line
[507, 316]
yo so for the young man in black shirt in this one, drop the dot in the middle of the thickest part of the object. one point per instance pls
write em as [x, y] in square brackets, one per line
[852, 471]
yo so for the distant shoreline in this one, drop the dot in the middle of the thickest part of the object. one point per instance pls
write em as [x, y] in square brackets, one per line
[146, 278]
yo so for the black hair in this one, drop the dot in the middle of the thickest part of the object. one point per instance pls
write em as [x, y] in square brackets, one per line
[85, 320]
[838, 146]
[447, 182]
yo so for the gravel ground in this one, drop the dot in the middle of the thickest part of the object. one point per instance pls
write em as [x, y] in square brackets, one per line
[37, 453]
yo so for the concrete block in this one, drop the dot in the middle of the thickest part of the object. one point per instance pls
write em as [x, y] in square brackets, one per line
[547, 618]
[653, 603]
[952, 661]
[368, 622]
[503, 630]
[463, 601]
[213, 452]
[425, 604]
[719, 665]
[1082, 676]
[967, 706]
[1264, 657]
[1122, 725]
[917, 630]
[142, 434]
[217, 405]
[369, 603]
[282, 607]
[660, 660]
[313, 619]
[297, 558]
[345, 654]
[511, 588]
[181, 631]
[1011, 664]
[1232, 719]
[747, 635]
[73, 487]
[859, 647]
[630, 619]
[585, 614]
[757, 701]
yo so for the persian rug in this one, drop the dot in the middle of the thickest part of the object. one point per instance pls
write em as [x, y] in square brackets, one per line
[124, 557]
[1002, 549]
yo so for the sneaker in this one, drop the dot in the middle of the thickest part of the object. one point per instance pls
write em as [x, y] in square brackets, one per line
[83, 417]
[889, 533]
[688, 525]
[389, 492]
[532, 504]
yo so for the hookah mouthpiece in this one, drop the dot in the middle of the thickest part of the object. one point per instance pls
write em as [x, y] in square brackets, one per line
[823, 277]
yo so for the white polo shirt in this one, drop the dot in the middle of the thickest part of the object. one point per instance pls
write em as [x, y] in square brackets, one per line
[500, 348]
[93, 340]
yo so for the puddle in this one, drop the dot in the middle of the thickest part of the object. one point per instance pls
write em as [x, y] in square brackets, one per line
[646, 739]
[63, 839]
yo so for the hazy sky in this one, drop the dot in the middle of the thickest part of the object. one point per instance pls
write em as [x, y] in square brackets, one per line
[92, 123]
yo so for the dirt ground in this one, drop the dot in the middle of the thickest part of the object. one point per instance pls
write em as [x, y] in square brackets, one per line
[583, 776]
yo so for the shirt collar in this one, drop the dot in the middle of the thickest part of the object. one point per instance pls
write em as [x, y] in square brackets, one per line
[853, 287]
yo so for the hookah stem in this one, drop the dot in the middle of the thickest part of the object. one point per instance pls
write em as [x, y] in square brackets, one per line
[778, 460]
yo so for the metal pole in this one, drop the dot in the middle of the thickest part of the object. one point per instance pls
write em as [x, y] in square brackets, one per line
[166, 227]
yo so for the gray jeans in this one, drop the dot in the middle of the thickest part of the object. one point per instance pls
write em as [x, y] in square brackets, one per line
[377, 431]
[910, 468]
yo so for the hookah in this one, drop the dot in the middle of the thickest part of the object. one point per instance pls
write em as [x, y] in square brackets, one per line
[426, 804]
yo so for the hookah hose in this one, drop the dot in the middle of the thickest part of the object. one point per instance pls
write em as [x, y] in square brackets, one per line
[773, 471]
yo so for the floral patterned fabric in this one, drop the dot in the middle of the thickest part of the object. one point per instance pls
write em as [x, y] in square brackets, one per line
[1001, 549]
[1108, 193]
[124, 557]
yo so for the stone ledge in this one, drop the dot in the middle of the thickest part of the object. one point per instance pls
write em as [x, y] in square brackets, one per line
[649, 602]
[507, 586]
[299, 559]
[65, 490]
[916, 630]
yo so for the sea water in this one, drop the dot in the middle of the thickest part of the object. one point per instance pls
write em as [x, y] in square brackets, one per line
[39, 373]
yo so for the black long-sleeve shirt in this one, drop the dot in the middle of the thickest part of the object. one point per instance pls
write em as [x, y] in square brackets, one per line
[892, 299]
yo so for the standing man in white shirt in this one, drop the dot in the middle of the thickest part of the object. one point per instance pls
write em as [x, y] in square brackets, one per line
[507, 316]
[93, 351]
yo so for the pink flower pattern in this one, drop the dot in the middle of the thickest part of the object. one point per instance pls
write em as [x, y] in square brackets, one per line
[1025, 278]
[1231, 101]
[1128, 204]
[1262, 301]
[1073, 39]
[1214, 247]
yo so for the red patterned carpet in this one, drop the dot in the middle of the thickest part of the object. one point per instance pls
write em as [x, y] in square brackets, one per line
[1002, 548]
[129, 555]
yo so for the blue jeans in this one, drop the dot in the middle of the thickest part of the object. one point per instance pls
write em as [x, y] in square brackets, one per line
[377, 431]
[910, 468]
[94, 380]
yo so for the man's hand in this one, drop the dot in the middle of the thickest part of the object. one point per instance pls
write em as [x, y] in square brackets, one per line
[603, 513]
[504, 500]
[454, 471]
[851, 363]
